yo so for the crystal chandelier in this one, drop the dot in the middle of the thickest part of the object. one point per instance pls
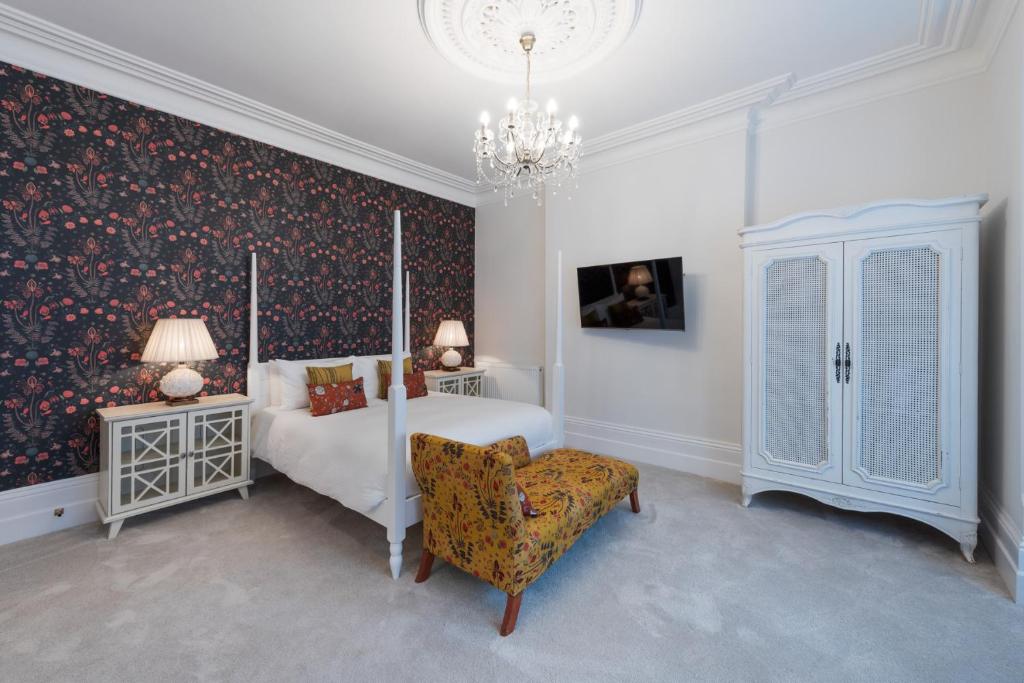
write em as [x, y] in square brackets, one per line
[531, 148]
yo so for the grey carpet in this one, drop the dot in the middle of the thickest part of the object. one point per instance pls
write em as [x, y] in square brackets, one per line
[291, 586]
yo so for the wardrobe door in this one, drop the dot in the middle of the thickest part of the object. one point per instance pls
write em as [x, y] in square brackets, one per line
[797, 395]
[903, 335]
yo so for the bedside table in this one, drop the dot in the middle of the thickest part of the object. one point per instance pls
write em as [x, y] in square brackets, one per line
[153, 455]
[464, 381]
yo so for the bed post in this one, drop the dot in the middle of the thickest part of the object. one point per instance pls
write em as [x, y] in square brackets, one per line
[408, 316]
[396, 415]
[558, 390]
[251, 379]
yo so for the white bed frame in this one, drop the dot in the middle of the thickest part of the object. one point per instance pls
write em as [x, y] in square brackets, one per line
[399, 510]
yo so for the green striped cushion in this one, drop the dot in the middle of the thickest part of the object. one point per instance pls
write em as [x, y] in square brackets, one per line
[384, 375]
[330, 375]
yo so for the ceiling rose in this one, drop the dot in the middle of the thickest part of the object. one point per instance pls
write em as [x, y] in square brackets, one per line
[482, 36]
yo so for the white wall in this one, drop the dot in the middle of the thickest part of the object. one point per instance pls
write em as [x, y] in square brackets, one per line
[1001, 416]
[675, 399]
[624, 385]
[509, 314]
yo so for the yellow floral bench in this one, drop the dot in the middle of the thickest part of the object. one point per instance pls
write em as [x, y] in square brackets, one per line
[472, 516]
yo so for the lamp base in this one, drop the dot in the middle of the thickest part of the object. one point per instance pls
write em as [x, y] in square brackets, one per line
[189, 400]
[641, 292]
[450, 360]
[181, 385]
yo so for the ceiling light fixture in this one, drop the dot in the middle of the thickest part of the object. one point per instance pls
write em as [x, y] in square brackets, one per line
[531, 148]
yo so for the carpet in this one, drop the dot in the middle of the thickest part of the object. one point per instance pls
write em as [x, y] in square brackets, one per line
[292, 586]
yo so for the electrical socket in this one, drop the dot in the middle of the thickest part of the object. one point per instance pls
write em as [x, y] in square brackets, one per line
[58, 512]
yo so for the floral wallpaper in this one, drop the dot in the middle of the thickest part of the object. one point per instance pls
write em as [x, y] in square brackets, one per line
[114, 215]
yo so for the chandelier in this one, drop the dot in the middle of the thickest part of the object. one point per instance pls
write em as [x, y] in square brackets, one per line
[531, 148]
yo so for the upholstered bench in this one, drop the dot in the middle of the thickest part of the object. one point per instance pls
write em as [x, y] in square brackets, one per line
[473, 517]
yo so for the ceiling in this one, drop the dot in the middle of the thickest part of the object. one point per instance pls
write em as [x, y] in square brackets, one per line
[367, 70]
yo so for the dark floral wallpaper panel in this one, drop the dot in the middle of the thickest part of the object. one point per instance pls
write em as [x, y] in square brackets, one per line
[114, 215]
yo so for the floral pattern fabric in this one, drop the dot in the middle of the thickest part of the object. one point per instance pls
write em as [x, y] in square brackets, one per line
[472, 517]
[113, 215]
[327, 399]
[415, 384]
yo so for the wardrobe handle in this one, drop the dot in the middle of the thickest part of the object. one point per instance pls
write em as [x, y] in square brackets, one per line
[839, 363]
[848, 362]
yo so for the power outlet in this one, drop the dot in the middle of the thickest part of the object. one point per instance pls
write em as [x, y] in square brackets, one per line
[58, 512]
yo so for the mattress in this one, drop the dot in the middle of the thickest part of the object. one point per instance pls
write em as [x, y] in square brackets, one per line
[344, 455]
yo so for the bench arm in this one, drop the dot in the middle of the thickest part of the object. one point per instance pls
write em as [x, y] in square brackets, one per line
[471, 513]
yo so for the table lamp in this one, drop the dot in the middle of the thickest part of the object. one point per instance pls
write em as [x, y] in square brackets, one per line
[639, 276]
[180, 340]
[451, 333]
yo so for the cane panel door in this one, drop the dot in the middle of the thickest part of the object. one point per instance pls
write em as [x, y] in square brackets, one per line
[797, 402]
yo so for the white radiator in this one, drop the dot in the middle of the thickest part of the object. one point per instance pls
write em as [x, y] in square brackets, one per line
[514, 382]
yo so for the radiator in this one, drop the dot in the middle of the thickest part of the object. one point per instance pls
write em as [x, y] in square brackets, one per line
[514, 382]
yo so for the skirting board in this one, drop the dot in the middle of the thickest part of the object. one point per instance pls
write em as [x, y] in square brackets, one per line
[29, 511]
[1004, 542]
[704, 457]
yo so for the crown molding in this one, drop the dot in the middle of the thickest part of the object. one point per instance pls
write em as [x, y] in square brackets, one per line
[941, 52]
[39, 45]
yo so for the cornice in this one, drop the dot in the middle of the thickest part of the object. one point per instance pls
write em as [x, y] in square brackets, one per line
[36, 44]
[940, 53]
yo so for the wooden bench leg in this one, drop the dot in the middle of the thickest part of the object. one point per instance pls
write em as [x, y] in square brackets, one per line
[634, 501]
[508, 624]
[426, 562]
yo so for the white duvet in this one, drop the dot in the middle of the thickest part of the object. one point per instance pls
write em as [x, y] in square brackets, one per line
[344, 456]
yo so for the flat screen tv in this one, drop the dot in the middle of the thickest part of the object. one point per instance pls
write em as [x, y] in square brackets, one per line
[635, 295]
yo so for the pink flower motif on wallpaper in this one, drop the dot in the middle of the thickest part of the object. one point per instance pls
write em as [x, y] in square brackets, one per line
[115, 215]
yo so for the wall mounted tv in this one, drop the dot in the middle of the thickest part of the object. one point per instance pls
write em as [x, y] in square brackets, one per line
[635, 295]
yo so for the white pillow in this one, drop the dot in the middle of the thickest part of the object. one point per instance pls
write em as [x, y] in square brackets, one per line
[273, 384]
[366, 367]
[291, 376]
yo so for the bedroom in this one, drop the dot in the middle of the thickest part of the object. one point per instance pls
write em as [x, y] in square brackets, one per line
[246, 165]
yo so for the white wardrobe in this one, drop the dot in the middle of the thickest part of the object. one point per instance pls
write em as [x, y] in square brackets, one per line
[861, 354]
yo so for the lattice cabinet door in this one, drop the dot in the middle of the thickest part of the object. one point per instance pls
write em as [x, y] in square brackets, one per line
[797, 316]
[903, 331]
[218, 447]
[147, 461]
[472, 385]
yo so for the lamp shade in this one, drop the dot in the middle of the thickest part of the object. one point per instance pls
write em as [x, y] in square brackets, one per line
[639, 275]
[451, 333]
[179, 340]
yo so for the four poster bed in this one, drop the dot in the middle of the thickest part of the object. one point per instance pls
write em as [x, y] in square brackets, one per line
[361, 457]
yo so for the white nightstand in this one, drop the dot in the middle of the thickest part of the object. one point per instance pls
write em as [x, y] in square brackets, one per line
[153, 455]
[464, 381]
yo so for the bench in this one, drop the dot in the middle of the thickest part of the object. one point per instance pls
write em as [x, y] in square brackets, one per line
[472, 516]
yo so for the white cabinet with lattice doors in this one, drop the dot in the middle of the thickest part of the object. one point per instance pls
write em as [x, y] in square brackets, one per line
[154, 455]
[464, 381]
[860, 380]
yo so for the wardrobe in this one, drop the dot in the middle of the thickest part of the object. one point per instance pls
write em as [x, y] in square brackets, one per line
[861, 360]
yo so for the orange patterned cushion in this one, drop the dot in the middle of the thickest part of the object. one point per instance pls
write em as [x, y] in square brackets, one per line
[327, 399]
[415, 384]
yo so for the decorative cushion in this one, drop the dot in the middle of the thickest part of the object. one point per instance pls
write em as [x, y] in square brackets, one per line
[517, 447]
[415, 384]
[524, 503]
[292, 380]
[384, 375]
[366, 367]
[335, 374]
[327, 399]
